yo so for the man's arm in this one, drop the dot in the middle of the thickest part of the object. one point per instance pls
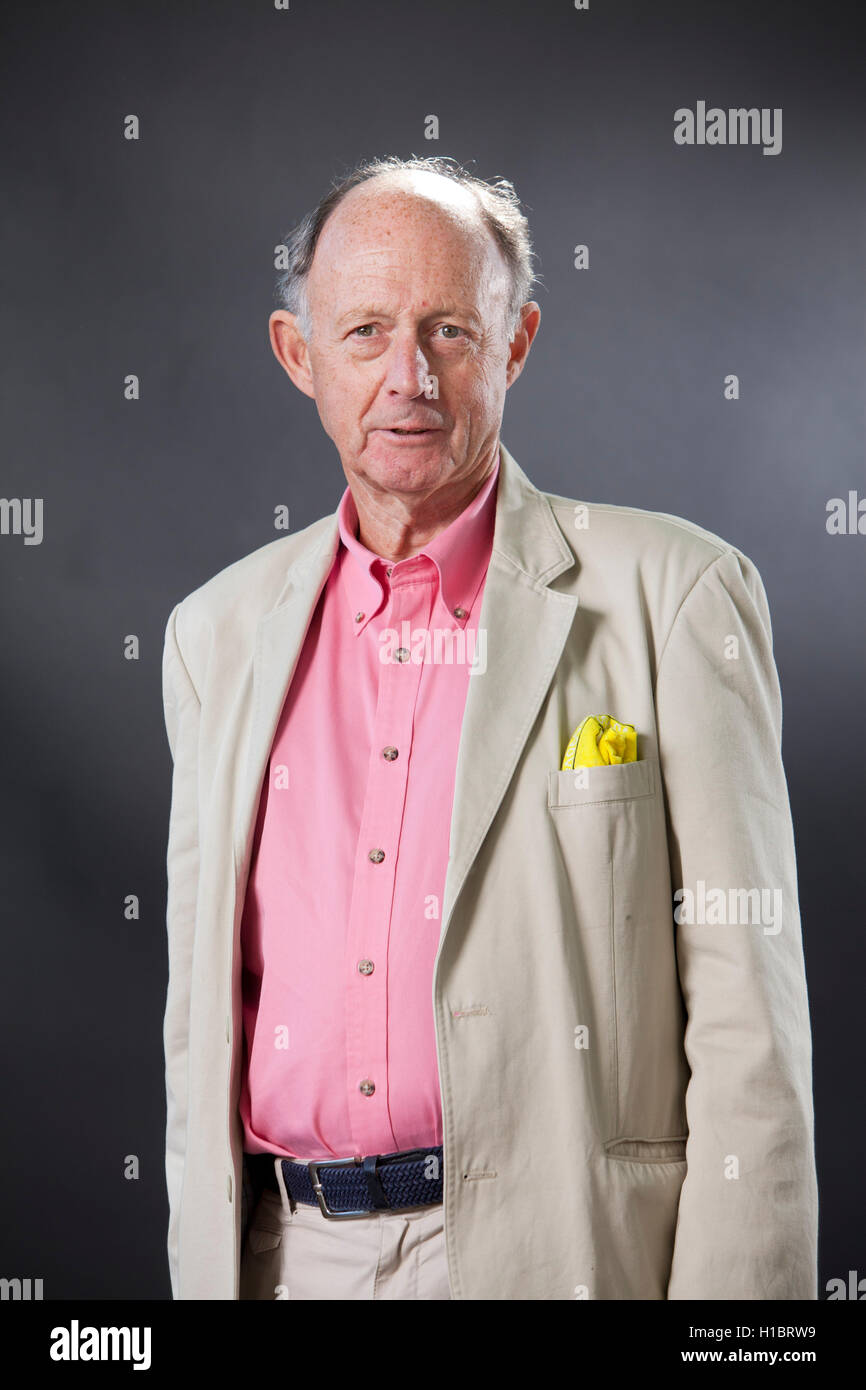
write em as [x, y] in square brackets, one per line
[182, 712]
[747, 1223]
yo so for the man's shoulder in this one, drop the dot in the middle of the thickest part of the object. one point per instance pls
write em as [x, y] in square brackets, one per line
[256, 579]
[605, 535]
[636, 527]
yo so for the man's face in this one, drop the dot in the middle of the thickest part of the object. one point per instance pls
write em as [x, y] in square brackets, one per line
[407, 288]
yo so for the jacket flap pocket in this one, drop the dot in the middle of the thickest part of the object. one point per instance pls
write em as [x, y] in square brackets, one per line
[581, 786]
[648, 1150]
[261, 1239]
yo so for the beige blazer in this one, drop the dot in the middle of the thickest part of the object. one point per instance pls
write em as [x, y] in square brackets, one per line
[627, 1098]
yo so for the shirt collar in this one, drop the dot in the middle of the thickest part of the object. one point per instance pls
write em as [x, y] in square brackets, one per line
[460, 552]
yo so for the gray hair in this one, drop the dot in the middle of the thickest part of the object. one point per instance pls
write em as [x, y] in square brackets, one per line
[500, 211]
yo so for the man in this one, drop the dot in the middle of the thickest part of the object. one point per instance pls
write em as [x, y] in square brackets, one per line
[549, 1023]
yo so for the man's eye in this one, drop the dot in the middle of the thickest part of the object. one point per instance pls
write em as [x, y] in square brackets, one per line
[366, 330]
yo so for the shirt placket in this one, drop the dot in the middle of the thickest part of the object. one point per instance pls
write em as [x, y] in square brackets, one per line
[377, 858]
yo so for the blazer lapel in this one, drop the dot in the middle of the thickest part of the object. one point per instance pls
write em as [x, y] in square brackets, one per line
[526, 625]
[278, 641]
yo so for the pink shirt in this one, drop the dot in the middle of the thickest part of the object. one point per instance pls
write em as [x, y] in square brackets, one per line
[338, 946]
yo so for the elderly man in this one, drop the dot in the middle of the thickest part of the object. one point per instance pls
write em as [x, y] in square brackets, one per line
[486, 972]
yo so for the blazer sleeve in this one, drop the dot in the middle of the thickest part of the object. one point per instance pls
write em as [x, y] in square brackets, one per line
[748, 1209]
[182, 716]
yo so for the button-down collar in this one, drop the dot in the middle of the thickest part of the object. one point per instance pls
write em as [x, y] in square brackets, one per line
[460, 552]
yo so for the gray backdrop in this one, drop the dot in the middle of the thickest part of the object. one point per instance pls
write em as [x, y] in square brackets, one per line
[155, 257]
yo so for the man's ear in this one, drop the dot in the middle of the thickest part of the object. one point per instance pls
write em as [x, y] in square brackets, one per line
[290, 349]
[530, 318]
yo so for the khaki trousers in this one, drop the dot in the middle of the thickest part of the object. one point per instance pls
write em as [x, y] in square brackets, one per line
[292, 1251]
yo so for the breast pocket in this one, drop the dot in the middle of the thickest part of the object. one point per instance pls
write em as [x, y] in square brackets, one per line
[610, 832]
[585, 786]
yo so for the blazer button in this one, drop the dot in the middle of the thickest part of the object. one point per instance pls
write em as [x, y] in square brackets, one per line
[377, 855]
[460, 613]
[367, 1088]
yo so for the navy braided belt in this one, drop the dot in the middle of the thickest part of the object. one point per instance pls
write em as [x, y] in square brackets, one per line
[347, 1187]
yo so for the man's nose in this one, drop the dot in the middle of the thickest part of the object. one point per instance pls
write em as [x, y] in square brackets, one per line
[408, 370]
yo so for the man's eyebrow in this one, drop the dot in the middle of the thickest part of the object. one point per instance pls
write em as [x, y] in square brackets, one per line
[456, 311]
[362, 314]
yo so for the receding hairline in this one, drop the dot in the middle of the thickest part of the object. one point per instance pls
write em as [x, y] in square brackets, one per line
[461, 204]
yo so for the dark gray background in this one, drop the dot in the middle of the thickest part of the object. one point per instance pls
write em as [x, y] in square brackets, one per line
[156, 257]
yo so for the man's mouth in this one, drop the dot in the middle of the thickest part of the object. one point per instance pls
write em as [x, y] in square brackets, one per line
[409, 431]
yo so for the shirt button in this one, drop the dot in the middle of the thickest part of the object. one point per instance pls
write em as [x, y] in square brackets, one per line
[359, 617]
[401, 654]
[390, 753]
[460, 613]
[366, 967]
[367, 1088]
[377, 855]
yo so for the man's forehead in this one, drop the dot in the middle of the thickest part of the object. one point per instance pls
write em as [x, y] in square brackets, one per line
[376, 228]
[383, 210]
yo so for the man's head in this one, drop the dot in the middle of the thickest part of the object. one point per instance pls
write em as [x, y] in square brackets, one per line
[406, 305]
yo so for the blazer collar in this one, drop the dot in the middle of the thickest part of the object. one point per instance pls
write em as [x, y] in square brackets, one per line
[525, 535]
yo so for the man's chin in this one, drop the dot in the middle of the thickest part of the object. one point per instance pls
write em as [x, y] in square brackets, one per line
[393, 460]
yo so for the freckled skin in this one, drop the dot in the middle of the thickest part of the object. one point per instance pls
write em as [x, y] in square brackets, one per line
[407, 283]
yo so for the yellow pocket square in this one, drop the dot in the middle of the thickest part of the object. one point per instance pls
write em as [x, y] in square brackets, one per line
[600, 739]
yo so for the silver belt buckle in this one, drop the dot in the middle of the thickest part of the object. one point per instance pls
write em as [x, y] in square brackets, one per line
[313, 1168]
